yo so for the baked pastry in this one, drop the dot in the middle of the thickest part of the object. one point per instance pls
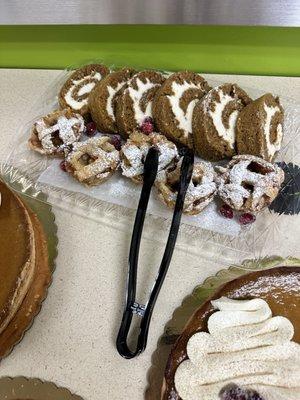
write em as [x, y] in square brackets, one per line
[93, 161]
[17, 261]
[76, 90]
[174, 103]
[53, 132]
[259, 128]
[134, 104]
[102, 101]
[249, 183]
[214, 121]
[241, 348]
[134, 151]
[200, 192]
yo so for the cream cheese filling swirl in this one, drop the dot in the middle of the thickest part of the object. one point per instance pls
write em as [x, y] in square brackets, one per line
[246, 346]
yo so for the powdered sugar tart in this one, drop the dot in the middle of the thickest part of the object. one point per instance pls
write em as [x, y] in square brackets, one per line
[53, 132]
[200, 192]
[76, 90]
[93, 161]
[249, 183]
[242, 343]
[135, 150]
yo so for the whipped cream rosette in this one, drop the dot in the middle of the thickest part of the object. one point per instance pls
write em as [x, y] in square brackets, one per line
[244, 346]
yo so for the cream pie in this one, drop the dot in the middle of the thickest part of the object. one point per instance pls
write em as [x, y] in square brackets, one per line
[174, 103]
[52, 133]
[134, 105]
[76, 90]
[243, 341]
[214, 121]
[102, 101]
[259, 128]
[249, 183]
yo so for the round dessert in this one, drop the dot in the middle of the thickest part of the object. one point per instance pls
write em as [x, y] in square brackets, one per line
[53, 132]
[17, 261]
[200, 192]
[174, 103]
[214, 121]
[76, 90]
[93, 161]
[249, 183]
[259, 128]
[134, 105]
[135, 150]
[102, 101]
[244, 340]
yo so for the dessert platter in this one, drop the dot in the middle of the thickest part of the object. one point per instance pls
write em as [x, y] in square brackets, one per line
[222, 155]
[236, 337]
[95, 126]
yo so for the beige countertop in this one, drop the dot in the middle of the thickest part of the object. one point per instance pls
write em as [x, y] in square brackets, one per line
[72, 341]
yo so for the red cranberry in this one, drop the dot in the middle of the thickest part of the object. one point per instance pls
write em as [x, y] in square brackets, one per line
[116, 141]
[63, 166]
[147, 126]
[247, 218]
[226, 211]
[90, 128]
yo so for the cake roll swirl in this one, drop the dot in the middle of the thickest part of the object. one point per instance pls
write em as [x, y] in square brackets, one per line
[244, 346]
[214, 121]
[174, 104]
[260, 128]
[134, 105]
[76, 90]
[103, 99]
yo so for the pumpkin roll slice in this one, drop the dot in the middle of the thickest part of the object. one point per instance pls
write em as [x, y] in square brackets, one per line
[214, 121]
[76, 90]
[134, 105]
[102, 101]
[174, 104]
[259, 128]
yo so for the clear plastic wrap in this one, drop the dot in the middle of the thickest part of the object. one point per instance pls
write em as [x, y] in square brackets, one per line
[114, 202]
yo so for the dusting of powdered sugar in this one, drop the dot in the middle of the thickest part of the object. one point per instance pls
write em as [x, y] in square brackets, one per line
[134, 155]
[104, 164]
[69, 130]
[237, 178]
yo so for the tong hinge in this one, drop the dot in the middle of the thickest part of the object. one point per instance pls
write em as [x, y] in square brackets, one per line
[138, 309]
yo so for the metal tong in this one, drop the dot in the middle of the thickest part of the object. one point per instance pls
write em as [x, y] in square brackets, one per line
[132, 306]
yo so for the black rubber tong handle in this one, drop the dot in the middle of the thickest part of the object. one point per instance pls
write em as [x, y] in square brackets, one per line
[132, 307]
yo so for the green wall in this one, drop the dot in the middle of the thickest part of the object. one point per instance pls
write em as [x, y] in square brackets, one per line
[222, 49]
